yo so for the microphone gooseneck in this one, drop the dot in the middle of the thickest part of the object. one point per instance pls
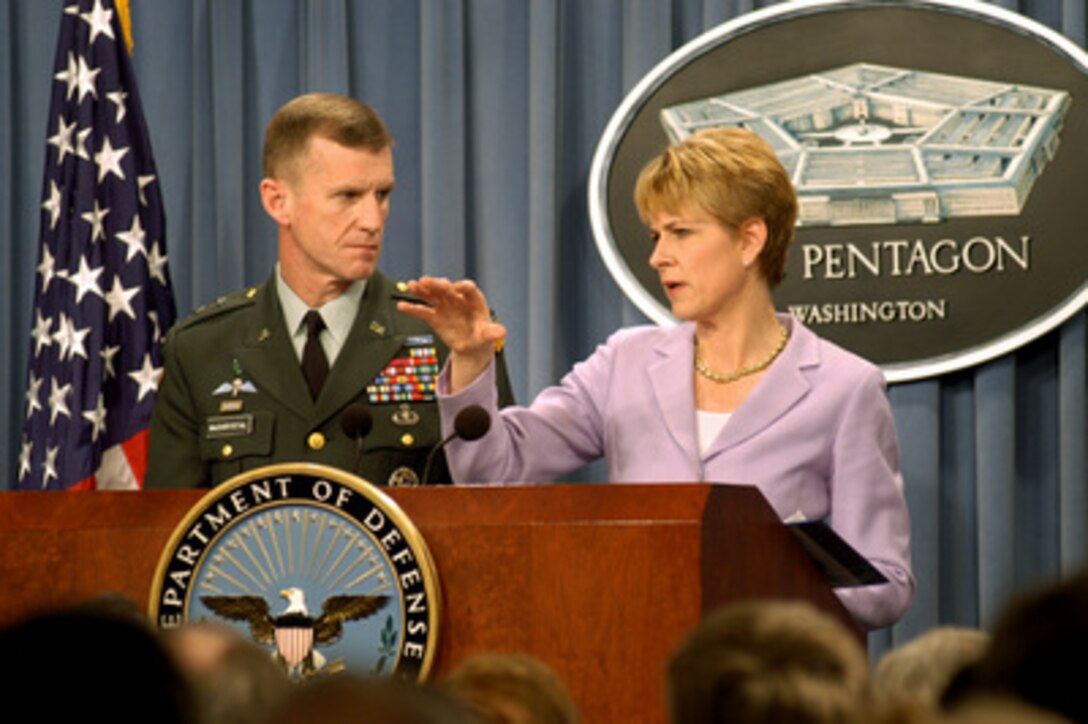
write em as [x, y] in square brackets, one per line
[357, 422]
[471, 423]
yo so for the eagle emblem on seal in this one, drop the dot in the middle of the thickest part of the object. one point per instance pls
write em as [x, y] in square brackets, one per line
[295, 633]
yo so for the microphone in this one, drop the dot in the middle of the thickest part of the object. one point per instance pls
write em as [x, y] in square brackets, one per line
[357, 422]
[471, 423]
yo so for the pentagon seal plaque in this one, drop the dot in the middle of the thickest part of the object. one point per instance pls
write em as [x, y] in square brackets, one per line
[936, 148]
[312, 563]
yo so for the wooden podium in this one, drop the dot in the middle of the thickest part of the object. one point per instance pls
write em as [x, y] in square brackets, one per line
[601, 581]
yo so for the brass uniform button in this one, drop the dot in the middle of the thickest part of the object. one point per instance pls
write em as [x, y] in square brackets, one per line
[228, 450]
[407, 440]
[316, 441]
[402, 286]
[251, 293]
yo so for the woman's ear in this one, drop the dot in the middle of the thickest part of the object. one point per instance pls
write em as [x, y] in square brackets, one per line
[752, 235]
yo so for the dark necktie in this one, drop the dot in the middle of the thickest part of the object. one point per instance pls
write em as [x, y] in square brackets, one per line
[315, 365]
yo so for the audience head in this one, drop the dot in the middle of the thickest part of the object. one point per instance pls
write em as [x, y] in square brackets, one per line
[731, 174]
[234, 681]
[511, 689]
[767, 662]
[344, 697]
[1038, 642]
[98, 661]
[916, 674]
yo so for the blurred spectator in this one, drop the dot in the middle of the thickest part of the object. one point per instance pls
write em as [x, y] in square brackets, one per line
[511, 689]
[1000, 710]
[1037, 647]
[350, 699]
[233, 680]
[914, 676]
[765, 663]
[92, 662]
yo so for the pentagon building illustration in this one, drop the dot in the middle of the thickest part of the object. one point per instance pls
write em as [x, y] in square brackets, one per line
[871, 144]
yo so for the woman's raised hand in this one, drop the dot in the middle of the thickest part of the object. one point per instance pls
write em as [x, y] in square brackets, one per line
[459, 314]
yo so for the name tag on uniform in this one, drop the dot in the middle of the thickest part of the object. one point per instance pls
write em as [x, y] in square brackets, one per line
[229, 426]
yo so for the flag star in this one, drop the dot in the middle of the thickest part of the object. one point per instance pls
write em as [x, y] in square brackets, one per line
[156, 331]
[97, 418]
[33, 393]
[46, 268]
[57, 405]
[133, 238]
[50, 464]
[85, 78]
[86, 280]
[156, 263]
[120, 299]
[108, 160]
[24, 458]
[79, 346]
[52, 204]
[69, 75]
[41, 334]
[118, 97]
[62, 139]
[147, 377]
[100, 20]
[81, 144]
[63, 336]
[107, 354]
[69, 339]
[96, 219]
[141, 182]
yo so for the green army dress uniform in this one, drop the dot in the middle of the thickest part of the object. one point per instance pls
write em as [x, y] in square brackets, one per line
[233, 396]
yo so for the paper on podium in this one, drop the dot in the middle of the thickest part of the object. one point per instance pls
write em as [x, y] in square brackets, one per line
[840, 565]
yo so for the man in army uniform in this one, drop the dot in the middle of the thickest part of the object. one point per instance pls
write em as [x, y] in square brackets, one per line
[265, 375]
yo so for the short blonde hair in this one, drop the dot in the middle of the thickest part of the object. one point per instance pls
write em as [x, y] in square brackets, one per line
[511, 687]
[762, 662]
[338, 118]
[917, 672]
[731, 174]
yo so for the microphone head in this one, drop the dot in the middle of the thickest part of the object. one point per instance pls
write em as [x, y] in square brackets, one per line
[356, 420]
[472, 423]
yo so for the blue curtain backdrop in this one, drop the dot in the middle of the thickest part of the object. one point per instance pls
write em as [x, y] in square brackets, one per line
[496, 106]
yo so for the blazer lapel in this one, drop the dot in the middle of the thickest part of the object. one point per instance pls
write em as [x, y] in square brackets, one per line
[267, 356]
[782, 387]
[671, 379]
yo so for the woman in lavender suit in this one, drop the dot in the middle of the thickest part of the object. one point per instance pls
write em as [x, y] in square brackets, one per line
[735, 393]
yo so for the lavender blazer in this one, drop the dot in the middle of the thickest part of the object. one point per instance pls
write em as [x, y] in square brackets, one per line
[816, 436]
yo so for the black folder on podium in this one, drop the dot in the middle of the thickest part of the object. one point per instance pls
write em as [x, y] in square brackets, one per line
[840, 565]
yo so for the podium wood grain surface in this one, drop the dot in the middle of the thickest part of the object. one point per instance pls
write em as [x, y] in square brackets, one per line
[601, 581]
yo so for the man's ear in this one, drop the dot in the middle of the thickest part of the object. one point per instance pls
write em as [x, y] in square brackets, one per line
[276, 199]
[753, 237]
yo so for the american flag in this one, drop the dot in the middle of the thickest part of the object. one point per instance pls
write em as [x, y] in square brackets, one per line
[102, 297]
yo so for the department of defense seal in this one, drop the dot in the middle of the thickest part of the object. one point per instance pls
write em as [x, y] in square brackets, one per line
[314, 564]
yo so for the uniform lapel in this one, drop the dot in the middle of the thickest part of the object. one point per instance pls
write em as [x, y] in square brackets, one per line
[674, 393]
[372, 342]
[269, 359]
